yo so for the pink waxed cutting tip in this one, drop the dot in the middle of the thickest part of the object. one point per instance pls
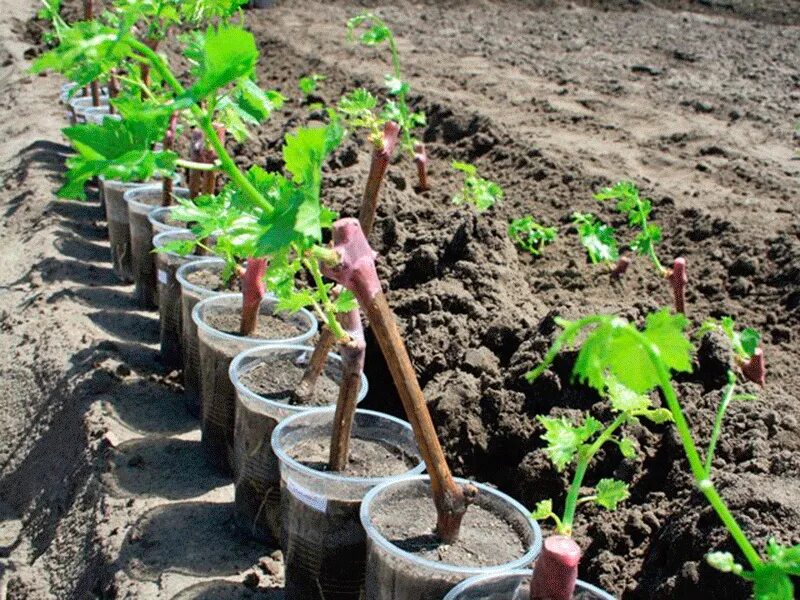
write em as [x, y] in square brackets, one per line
[556, 570]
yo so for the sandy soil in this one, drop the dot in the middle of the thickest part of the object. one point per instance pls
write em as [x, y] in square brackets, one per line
[104, 493]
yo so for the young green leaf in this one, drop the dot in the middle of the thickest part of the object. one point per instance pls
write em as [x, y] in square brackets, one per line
[530, 235]
[724, 561]
[597, 237]
[564, 438]
[476, 191]
[610, 492]
[309, 83]
[228, 53]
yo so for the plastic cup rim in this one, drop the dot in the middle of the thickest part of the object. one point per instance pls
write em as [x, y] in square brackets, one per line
[251, 395]
[308, 471]
[377, 537]
[203, 326]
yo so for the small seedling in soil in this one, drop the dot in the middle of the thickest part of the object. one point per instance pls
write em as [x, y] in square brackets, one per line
[570, 444]
[370, 30]
[638, 210]
[598, 238]
[476, 191]
[747, 354]
[530, 235]
[643, 360]
[309, 83]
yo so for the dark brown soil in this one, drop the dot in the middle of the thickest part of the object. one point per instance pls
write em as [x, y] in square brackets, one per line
[269, 327]
[485, 539]
[212, 281]
[694, 100]
[277, 381]
[368, 458]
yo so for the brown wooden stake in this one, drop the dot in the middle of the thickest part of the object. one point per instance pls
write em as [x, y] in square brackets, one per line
[94, 87]
[113, 92]
[196, 145]
[356, 271]
[352, 353]
[153, 45]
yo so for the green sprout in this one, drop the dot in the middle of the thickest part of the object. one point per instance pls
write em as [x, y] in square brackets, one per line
[476, 191]
[370, 30]
[309, 83]
[597, 237]
[530, 235]
[642, 361]
[637, 210]
[569, 444]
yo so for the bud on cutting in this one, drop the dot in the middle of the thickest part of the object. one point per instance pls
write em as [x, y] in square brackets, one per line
[556, 570]
[253, 290]
[679, 279]
[356, 269]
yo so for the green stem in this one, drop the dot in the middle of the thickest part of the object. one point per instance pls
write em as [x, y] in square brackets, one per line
[197, 166]
[584, 459]
[327, 306]
[704, 484]
[715, 432]
[651, 252]
[204, 120]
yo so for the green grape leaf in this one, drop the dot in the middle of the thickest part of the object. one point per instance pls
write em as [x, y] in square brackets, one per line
[610, 492]
[564, 438]
[228, 53]
[596, 237]
[749, 339]
[476, 191]
[543, 510]
[395, 86]
[624, 399]
[530, 235]
[627, 447]
[345, 302]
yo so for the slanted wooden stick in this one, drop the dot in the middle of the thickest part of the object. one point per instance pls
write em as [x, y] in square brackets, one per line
[352, 353]
[356, 272]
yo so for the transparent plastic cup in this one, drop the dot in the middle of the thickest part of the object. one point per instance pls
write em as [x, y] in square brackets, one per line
[514, 585]
[66, 90]
[119, 234]
[394, 574]
[79, 104]
[160, 220]
[324, 540]
[217, 350]
[141, 201]
[169, 296]
[191, 294]
[257, 498]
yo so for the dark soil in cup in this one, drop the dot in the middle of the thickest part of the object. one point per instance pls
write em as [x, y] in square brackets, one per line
[211, 280]
[277, 380]
[269, 327]
[485, 539]
[326, 549]
[368, 458]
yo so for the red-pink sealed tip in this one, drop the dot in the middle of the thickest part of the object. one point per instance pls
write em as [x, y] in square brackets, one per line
[356, 270]
[755, 369]
[253, 290]
[555, 572]
[679, 279]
